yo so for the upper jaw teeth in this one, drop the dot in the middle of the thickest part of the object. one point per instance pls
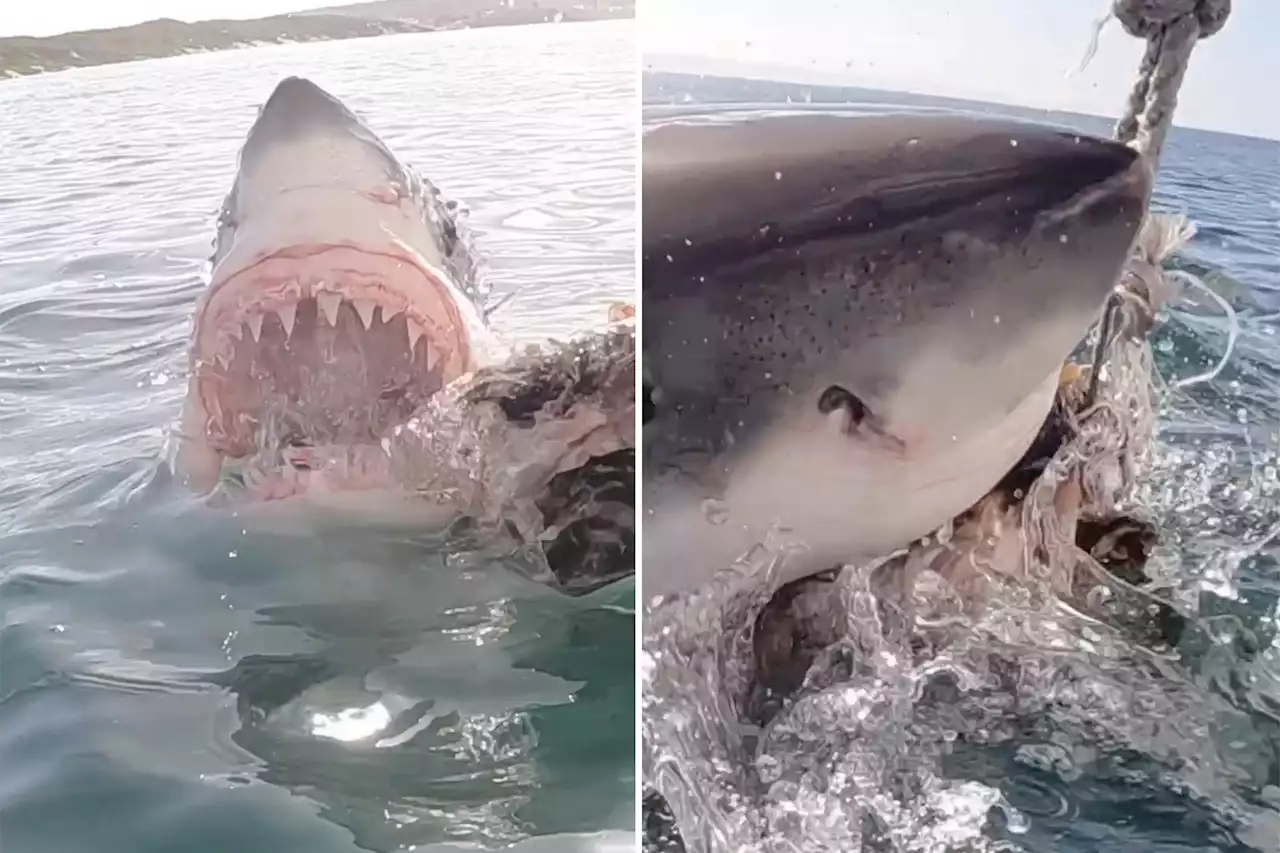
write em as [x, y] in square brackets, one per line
[288, 314]
[329, 303]
[364, 310]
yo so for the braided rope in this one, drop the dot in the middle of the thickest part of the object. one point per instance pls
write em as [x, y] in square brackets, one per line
[1114, 429]
[1171, 29]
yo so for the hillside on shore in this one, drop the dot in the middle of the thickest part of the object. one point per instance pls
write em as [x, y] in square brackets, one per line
[23, 55]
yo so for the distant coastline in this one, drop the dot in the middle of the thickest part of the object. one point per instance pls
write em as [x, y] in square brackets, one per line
[21, 56]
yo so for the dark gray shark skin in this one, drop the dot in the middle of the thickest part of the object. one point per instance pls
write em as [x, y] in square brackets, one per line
[853, 326]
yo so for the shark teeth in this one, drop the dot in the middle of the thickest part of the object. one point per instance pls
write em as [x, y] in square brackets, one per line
[329, 307]
[329, 304]
[288, 314]
[254, 322]
[365, 308]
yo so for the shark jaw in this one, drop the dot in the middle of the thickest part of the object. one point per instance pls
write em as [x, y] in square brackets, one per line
[340, 303]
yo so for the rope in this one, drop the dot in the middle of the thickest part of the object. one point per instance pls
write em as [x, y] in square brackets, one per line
[1171, 29]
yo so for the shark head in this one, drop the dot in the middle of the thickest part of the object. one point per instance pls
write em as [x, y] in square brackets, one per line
[854, 326]
[342, 295]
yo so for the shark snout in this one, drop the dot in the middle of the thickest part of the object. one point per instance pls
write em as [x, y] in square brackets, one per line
[1090, 190]
[1051, 245]
[929, 274]
[298, 106]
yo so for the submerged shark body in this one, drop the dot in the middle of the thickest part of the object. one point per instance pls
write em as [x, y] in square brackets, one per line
[341, 356]
[854, 327]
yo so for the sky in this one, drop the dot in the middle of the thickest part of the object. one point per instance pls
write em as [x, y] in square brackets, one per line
[1025, 52]
[50, 17]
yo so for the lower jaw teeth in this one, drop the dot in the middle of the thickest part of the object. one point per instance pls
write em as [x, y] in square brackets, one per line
[343, 466]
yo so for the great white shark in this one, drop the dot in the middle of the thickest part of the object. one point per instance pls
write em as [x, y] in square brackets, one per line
[341, 355]
[853, 327]
[339, 299]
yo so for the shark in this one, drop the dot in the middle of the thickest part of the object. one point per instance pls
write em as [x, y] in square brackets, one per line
[854, 326]
[341, 357]
[342, 296]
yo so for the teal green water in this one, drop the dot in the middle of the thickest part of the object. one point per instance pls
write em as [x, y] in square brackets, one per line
[172, 679]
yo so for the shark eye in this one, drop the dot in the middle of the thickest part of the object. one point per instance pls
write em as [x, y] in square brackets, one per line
[836, 397]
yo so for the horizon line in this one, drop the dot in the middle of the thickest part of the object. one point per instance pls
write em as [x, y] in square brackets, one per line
[737, 69]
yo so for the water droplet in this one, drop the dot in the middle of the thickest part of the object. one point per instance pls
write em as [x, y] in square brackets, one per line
[1015, 821]
[715, 511]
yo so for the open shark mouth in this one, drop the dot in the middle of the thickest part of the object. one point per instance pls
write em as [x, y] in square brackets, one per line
[324, 346]
[342, 299]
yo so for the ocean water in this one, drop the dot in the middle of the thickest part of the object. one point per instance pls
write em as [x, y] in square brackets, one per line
[1185, 759]
[172, 678]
